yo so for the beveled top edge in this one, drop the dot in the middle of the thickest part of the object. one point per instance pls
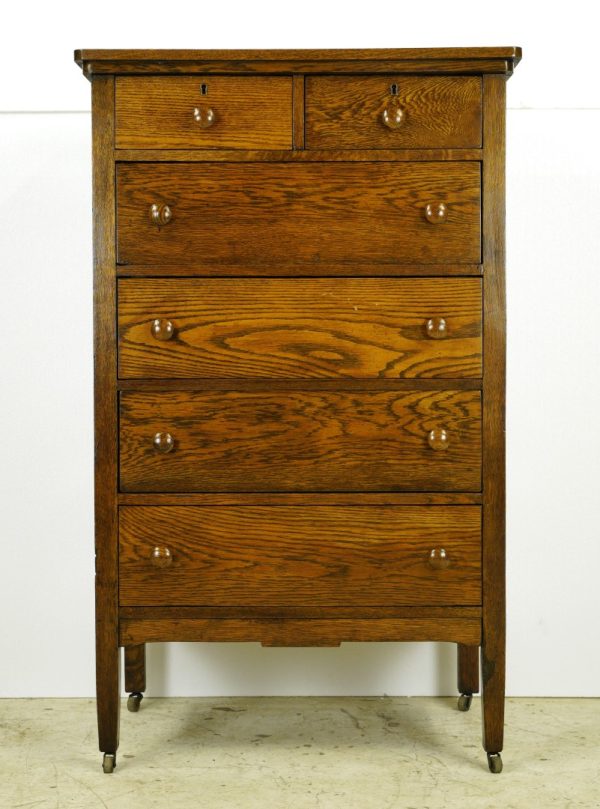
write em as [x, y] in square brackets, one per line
[128, 60]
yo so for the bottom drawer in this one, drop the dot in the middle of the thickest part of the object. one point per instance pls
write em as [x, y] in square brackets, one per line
[299, 555]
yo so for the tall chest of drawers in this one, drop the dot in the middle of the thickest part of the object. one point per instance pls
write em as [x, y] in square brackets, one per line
[299, 355]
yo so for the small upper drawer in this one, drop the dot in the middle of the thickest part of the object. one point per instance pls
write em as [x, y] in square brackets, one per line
[214, 112]
[388, 112]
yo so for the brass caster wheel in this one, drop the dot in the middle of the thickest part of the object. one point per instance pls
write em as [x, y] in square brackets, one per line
[109, 762]
[464, 702]
[495, 762]
[133, 702]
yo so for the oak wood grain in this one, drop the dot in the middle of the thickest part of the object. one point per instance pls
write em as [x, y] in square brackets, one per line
[298, 111]
[296, 155]
[301, 499]
[322, 328]
[467, 669]
[134, 656]
[363, 555]
[108, 689]
[493, 648]
[299, 631]
[300, 441]
[437, 112]
[408, 60]
[311, 213]
[251, 112]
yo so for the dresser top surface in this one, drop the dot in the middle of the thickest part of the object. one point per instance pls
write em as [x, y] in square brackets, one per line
[438, 60]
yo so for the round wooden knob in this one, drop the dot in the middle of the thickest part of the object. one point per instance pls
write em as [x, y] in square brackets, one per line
[438, 438]
[438, 559]
[160, 214]
[161, 556]
[163, 442]
[162, 329]
[436, 328]
[204, 117]
[393, 116]
[436, 213]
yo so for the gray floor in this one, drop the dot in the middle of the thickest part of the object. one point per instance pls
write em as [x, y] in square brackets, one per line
[274, 753]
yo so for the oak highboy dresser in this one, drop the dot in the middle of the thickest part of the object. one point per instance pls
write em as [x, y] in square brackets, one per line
[299, 355]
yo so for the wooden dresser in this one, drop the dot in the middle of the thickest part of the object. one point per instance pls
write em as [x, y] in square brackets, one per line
[299, 355]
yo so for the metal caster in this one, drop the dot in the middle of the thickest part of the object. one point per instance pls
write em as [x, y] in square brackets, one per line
[464, 702]
[109, 762]
[133, 702]
[495, 762]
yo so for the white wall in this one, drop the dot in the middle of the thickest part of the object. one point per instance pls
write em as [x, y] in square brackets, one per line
[553, 178]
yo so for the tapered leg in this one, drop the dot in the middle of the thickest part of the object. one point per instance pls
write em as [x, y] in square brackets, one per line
[135, 674]
[108, 693]
[467, 674]
[492, 675]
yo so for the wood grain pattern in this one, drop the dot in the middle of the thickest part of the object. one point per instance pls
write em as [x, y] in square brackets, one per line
[313, 213]
[300, 441]
[467, 669]
[157, 112]
[297, 155]
[302, 499]
[493, 648]
[298, 631]
[298, 111]
[294, 269]
[363, 555]
[135, 667]
[108, 688]
[438, 112]
[352, 60]
[322, 328]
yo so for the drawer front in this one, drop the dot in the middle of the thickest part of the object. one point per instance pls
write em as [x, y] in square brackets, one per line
[299, 556]
[234, 215]
[362, 112]
[311, 328]
[195, 112]
[300, 441]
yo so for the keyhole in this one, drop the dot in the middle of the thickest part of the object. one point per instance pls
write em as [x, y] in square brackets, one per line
[204, 89]
[394, 89]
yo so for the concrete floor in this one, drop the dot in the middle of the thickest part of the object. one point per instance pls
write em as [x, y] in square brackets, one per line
[275, 753]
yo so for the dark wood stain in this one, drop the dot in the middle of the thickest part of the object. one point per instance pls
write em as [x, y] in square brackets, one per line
[300, 441]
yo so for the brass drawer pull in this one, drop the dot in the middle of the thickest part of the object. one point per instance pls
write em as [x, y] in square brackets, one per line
[204, 117]
[160, 214]
[436, 328]
[163, 442]
[438, 559]
[438, 439]
[162, 329]
[436, 213]
[161, 556]
[393, 116]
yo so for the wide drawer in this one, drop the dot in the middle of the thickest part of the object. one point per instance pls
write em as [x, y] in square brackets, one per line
[196, 112]
[300, 440]
[282, 328]
[299, 556]
[248, 215]
[393, 112]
